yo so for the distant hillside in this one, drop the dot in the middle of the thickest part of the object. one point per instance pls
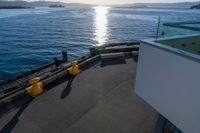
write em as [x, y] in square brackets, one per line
[27, 4]
[36, 4]
[195, 6]
[160, 5]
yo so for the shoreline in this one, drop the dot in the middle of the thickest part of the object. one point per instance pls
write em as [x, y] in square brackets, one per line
[15, 7]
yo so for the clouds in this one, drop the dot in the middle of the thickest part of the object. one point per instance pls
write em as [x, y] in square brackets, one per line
[124, 1]
[105, 2]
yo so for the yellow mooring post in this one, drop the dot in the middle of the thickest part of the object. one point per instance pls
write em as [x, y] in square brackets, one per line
[74, 69]
[36, 87]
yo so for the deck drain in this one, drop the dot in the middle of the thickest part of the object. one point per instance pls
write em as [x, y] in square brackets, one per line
[183, 45]
[193, 43]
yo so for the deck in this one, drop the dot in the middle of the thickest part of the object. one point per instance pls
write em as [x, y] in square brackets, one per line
[100, 99]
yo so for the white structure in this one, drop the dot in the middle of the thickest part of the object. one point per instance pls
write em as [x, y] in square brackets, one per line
[169, 80]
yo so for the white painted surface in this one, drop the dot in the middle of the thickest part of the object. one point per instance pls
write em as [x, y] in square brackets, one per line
[171, 84]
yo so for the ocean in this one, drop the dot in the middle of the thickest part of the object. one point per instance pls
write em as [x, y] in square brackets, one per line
[30, 38]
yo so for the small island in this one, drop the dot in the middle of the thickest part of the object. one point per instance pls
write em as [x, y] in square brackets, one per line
[56, 6]
[195, 6]
[14, 7]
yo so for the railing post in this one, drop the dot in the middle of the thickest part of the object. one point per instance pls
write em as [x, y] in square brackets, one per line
[64, 55]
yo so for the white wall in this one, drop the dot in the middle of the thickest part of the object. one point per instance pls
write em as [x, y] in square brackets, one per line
[171, 84]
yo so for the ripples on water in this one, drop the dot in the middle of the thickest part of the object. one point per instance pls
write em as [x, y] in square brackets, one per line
[33, 37]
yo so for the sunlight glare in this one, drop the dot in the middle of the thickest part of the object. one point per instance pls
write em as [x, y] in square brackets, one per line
[101, 24]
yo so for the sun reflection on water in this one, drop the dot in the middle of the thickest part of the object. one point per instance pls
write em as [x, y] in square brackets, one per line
[101, 24]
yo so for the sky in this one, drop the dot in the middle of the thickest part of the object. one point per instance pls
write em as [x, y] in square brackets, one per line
[118, 1]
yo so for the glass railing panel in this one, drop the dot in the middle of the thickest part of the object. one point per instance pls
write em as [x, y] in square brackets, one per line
[182, 35]
[177, 28]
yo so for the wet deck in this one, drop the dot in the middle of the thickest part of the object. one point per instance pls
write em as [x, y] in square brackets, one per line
[100, 99]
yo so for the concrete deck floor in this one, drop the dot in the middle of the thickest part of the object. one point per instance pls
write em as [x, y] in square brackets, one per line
[100, 99]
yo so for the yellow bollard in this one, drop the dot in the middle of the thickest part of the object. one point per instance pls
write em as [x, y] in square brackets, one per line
[36, 87]
[74, 69]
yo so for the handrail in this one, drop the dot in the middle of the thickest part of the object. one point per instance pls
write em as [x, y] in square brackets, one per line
[183, 25]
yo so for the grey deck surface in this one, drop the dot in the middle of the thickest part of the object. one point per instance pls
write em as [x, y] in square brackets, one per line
[100, 99]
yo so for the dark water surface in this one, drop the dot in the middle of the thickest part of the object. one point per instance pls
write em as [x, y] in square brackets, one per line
[32, 37]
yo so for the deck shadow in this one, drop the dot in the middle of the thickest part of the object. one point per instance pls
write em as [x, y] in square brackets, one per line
[108, 62]
[68, 88]
[15, 119]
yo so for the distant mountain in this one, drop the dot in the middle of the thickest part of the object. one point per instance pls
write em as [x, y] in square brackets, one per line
[27, 4]
[160, 5]
[195, 6]
[36, 4]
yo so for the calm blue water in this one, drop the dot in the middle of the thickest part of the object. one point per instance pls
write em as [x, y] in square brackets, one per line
[32, 37]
